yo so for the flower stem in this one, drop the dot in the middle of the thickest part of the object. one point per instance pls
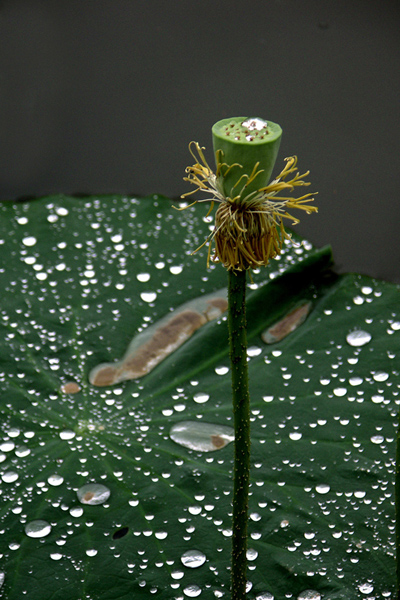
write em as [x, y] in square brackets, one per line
[241, 412]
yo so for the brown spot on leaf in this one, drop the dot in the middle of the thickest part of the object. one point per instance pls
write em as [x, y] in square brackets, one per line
[218, 441]
[88, 496]
[104, 375]
[291, 321]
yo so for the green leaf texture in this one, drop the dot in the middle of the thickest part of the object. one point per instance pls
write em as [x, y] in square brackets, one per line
[79, 279]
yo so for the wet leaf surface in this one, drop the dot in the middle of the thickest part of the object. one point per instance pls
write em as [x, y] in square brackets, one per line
[99, 500]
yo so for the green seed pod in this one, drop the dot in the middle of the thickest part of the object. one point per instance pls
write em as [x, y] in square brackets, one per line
[245, 152]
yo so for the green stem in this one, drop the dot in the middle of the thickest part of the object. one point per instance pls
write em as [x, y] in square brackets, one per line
[241, 412]
[397, 504]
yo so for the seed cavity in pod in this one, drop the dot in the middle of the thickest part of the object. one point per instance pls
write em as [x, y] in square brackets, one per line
[289, 323]
[93, 493]
[203, 437]
[158, 341]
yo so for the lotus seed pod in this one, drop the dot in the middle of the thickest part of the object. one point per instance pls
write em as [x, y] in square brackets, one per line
[245, 152]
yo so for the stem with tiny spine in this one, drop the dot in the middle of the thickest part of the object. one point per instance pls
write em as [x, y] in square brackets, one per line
[241, 412]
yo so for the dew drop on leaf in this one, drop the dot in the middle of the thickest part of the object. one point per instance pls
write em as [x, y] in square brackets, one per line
[71, 387]
[193, 559]
[358, 338]
[322, 488]
[56, 556]
[9, 476]
[192, 591]
[93, 493]
[309, 595]
[2, 578]
[265, 596]
[203, 437]
[366, 588]
[55, 480]
[67, 434]
[37, 528]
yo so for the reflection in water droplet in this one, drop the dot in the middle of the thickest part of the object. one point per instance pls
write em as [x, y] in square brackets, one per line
[76, 511]
[253, 351]
[380, 376]
[193, 559]
[322, 488]
[9, 476]
[91, 552]
[309, 595]
[221, 370]
[67, 434]
[56, 556]
[377, 439]
[93, 493]
[37, 529]
[29, 240]
[366, 588]
[55, 480]
[192, 591]
[295, 435]
[203, 437]
[22, 451]
[176, 270]
[200, 397]
[265, 596]
[358, 338]
[143, 277]
[7, 447]
[148, 296]
[251, 554]
[2, 578]
[340, 391]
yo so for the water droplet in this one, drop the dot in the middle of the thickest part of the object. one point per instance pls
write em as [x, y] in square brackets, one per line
[9, 476]
[2, 578]
[193, 559]
[143, 277]
[366, 588]
[340, 391]
[93, 493]
[91, 552]
[358, 338]
[67, 434]
[295, 435]
[176, 270]
[56, 556]
[221, 370]
[265, 596]
[322, 488]
[148, 296]
[7, 447]
[377, 439]
[29, 240]
[22, 451]
[203, 437]
[37, 529]
[177, 574]
[309, 595]
[268, 398]
[380, 376]
[76, 511]
[251, 554]
[253, 351]
[55, 480]
[71, 387]
[192, 591]
[200, 397]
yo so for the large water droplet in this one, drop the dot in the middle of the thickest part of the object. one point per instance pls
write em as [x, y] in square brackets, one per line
[55, 480]
[9, 476]
[322, 488]
[67, 434]
[200, 397]
[358, 338]
[93, 493]
[29, 240]
[309, 595]
[366, 588]
[203, 437]
[193, 559]
[37, 529]
[192, 591]
[148, 296]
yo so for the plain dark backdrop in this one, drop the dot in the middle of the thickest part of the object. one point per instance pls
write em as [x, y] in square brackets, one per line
[103, 96]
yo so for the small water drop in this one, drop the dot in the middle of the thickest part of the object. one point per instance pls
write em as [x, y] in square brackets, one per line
[193, 559]
[221, 370]
[29, 240]
[67, 434]
[340, 391]
[2, 578]
[76, 511]
[203, 437]
[200, 397]
[295, 435]
[309, 595]
[9, 476]
[253, 351]
[37, 529]
[91, 552]
[192, 591]
[93, 493]
[56, 556]
[7, 447]
[143, 277]
[366, 588]
[377, 439]
[322, 488]
[71, 387]
[148, 296]
[380, 376]
[265, 596]
[176, 270]
[251, 554]
[55, 479]
[358, 338]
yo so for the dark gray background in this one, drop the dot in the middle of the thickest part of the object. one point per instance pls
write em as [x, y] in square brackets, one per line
[104, 96]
